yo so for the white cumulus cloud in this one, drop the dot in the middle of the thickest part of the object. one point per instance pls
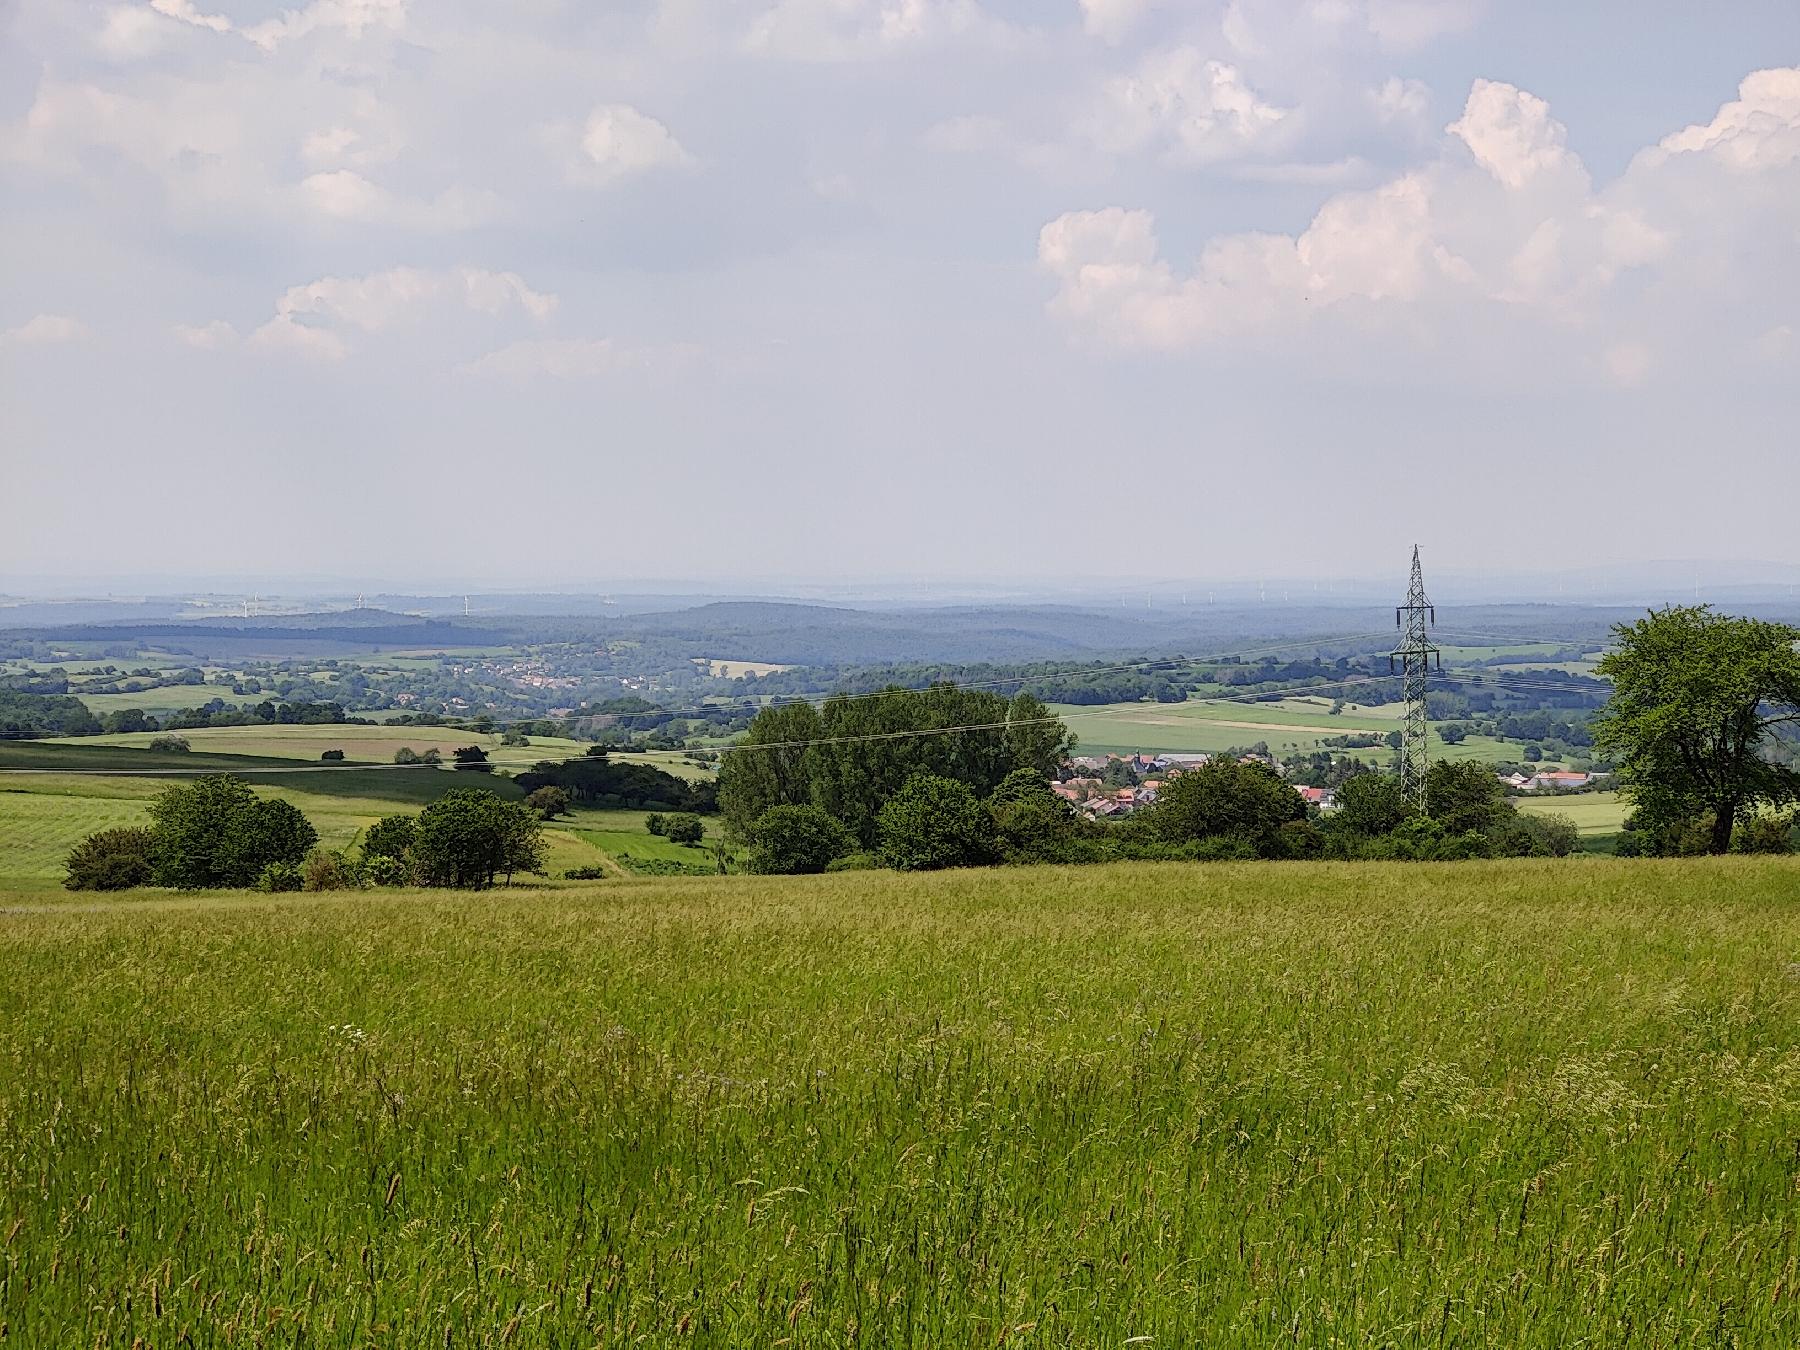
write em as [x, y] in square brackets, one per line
[45, 330]
[1517, 225]
[1189, 107]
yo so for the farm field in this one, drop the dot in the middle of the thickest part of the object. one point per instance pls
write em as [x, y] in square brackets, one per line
[1596, 814]
[1487, 1104]
[376, 745]
[44, 813]
[1292, 725]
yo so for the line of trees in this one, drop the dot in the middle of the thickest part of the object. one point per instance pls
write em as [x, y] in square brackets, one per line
[215, 832]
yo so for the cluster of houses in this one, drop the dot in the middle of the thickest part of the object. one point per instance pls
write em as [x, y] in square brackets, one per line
[1558, 780]
[1088, 792]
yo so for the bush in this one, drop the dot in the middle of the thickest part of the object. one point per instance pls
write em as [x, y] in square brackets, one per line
[111, 860]
[390, 837]
[656, 823]
[591, 872]
[854, 862]
[1764, 834]
[1550, 836]
[170, 744]
[332, 755]
[406, 755]
[549, 802]
[280, 876]
[473, 758]
[933, 823]
[328, 870]
[792, 840]
[383, 869]
[684, 828]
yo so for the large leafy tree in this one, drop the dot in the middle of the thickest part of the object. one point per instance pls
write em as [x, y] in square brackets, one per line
[1695, 697]
[1466, 796]
[767, 768]
[850, 756]
[216, 832]
[1226, 799]
[934, 822]
[469, 836]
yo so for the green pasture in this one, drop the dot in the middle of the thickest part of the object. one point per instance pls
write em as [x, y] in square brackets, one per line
[1596, 814]
[1289, 726]
[45, 813]
[1521, 1104]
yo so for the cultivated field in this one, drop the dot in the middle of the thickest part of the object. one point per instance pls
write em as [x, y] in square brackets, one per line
[1490, 1104]
[1288, 726]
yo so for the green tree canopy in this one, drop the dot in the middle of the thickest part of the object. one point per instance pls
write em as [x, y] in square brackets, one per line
[1466, 796]
[849, 756]
[1226, 799]
[934, 822]
[216, 832]
[796, 839]
[1371, 804]
[469, 836]
[390, 837]
[1695, 696]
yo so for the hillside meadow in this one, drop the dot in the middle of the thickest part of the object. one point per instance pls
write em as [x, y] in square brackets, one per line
[1483, 1104]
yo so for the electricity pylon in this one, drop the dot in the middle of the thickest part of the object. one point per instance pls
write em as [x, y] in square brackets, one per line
[1413, 658]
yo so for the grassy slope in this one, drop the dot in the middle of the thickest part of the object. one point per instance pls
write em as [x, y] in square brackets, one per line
[1523, 1104]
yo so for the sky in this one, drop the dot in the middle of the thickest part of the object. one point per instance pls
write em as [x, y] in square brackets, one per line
[555, 293]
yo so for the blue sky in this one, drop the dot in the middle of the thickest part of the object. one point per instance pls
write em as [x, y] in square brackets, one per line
[559, 292]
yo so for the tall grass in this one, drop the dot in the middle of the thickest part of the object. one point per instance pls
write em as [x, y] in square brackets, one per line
[1507, 1104]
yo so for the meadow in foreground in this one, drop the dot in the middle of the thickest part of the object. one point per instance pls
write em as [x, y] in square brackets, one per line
[1508, 1104]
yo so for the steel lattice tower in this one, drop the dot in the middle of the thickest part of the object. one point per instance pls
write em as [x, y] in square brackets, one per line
[1413, 658]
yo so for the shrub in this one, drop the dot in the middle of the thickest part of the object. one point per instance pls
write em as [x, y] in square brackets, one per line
[111, 860]
[406, 755]
[1551, 836]
[473, 758]
[684, 828]
[854, 862]
[549, 802]
[390, 837]
[1764, 834]
[329, 870]
[170, 744]
[591, 872]
[332, 755]
[384, 869]
[933, 823]
[280, 876]
[795, 840]
[656, 823]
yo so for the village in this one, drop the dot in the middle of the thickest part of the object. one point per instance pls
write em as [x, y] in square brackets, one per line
[1104, 787]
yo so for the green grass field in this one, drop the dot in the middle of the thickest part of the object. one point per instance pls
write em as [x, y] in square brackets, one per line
[1289, 726]
[45, 812]
[1525, 1104]
[1594, 813]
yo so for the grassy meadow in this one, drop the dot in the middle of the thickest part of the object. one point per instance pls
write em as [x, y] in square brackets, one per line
[52, 795]
[1288, 726]
[1486, 1104]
